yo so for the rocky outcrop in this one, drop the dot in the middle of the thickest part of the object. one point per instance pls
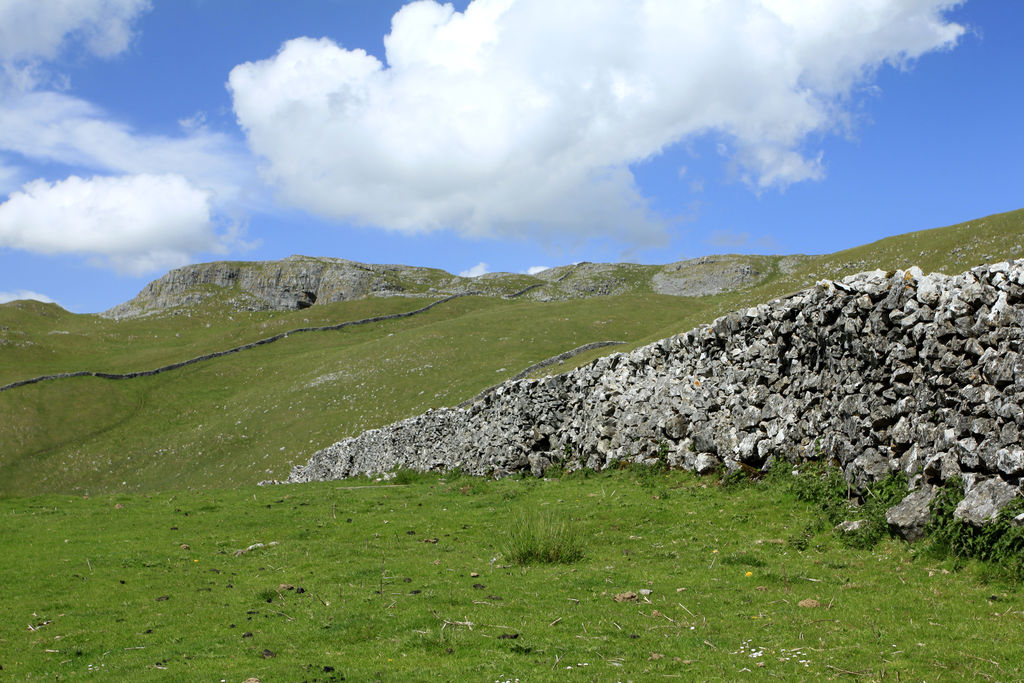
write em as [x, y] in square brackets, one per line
[705, 275]
[877, 373]
[301, 281]
[292, 283]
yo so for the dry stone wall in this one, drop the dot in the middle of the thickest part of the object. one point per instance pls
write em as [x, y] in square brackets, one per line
[227, 352]
[877, 373]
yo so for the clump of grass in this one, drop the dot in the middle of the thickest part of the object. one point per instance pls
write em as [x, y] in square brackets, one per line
[543, 537]
[405, 476]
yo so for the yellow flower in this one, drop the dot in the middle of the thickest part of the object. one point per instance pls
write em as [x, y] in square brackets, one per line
[750, 573]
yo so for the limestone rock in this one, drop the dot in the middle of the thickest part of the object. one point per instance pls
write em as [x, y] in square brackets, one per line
[909, 518]
[851, 526]
[984, 500]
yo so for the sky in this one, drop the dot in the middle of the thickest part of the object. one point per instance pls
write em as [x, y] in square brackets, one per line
[481, 136]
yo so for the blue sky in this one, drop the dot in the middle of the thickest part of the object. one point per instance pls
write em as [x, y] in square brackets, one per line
[493, 135]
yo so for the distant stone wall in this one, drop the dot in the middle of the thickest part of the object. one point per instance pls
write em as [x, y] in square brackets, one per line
[226, 352]
[876, 373]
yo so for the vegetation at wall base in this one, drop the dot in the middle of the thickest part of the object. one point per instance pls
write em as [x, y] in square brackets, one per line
[368, 580]
[823, 486]
[999, 543]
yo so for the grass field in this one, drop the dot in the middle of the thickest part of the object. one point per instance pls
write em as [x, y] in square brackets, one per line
[369, 580]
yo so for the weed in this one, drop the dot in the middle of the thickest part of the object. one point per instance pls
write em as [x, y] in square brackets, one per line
[741, 476]
[825, 487]
[454, 474]
[662, 455]
[999, 542]
[554, 472]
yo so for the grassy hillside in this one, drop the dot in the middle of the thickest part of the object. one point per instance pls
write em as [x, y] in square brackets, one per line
[416, 582]
[250, 416]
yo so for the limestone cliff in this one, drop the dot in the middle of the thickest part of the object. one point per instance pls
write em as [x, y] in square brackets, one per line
[302, 281]
[291, 283]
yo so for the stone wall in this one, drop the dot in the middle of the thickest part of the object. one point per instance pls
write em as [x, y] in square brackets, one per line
[217, 354]
[877, 373]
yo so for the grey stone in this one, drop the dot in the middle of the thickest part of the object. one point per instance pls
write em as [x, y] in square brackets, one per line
[851, 526]
[706, 463]
[1011, 460]
[984, 500]
[910, 517]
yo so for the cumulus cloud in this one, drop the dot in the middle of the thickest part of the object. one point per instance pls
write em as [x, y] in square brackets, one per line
[19, 294]
[523, 116]
[476, 271]
[38, 29]
[57, 128]
[151, 206]
[533, 270]
[134, 224]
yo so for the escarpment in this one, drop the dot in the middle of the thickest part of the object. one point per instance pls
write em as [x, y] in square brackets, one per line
[876, 373]
[292, 283]
[299, 282]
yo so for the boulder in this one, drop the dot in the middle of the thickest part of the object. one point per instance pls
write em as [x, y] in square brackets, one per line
[909, 518]
[984, 500]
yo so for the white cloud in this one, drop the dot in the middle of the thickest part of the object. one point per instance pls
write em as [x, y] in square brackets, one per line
[56, 128]
[533, 270]
[39, 29]
[135, 224]
[19, 294]
[152, 203]
[523, 116]
[476, 271]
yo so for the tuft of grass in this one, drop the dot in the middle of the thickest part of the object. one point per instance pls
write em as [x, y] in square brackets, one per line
[543, 537]
[405, 476]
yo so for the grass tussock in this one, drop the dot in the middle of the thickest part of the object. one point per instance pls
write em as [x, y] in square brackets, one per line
[543, 537]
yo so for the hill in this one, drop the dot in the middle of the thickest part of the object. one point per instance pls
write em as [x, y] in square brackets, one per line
[248, 416]
[299, 282]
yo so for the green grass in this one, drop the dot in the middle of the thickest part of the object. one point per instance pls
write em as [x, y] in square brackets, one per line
[148, 587]
[543, 537]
